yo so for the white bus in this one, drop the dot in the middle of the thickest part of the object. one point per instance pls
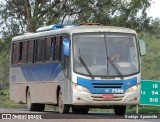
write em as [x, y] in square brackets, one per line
[78, 67]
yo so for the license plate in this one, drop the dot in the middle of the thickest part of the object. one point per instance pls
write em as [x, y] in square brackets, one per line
[108, 96]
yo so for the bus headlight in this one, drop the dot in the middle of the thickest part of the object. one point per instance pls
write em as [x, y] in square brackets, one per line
[134, 88]
[79, 88]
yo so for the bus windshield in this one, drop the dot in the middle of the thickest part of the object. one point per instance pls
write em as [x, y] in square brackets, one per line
[100, 51]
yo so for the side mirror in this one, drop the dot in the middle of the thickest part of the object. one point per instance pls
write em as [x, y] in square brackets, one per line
[142, 46]
[66, 47]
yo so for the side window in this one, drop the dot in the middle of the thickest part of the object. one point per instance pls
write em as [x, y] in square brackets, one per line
[22, 52]
[49, 49]
[15, 53]
[39, 50]
[30, 51]
[58, 48]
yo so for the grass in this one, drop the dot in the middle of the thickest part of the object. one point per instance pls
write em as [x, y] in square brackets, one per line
[132, 110]
[144, 109]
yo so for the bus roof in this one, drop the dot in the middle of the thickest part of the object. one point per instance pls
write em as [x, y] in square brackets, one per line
[74, 29]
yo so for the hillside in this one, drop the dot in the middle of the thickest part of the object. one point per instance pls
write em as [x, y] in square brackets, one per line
[151, 62]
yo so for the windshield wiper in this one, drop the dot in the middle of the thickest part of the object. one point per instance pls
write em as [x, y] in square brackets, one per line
[109, 60]
[115, 67]
[85, 66]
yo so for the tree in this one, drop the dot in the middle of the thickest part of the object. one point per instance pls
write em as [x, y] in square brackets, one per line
[127, 13]
[31, 14]
[155, 26]
[4, 63]
[28, 15]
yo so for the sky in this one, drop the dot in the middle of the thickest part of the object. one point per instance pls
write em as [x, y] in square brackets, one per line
[154, 10]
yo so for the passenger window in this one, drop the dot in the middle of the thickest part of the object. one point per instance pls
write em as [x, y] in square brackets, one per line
[58, 48]
[22, 52]
[30, 51]
[15, 53]
[50, 49]
[39, 50]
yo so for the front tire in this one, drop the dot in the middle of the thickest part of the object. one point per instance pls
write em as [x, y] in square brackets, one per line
[63, 108]
[119, 110]
[80, 110]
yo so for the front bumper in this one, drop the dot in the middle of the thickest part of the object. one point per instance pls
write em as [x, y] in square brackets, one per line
[84, 98]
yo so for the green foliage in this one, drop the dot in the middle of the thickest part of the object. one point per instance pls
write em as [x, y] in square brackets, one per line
[114, 12]
[28, 15]
[155, 26]
[4, 62]
[143, 109]
[151, 62]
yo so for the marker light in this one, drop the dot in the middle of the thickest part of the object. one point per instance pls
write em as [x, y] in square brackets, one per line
[50, 27]
[54, 27]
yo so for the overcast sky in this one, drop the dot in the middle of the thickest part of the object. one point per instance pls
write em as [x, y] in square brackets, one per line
[154, 10]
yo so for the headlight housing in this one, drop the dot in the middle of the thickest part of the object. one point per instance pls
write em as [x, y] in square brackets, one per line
[79, 88]
[134, 88]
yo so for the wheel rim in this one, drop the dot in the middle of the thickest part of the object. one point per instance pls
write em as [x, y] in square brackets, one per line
[60, 102]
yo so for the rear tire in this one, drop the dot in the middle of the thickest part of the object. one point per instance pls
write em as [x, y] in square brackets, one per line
[63, 108]
[30, 106]
[40, 107]
[34, 106]
[119, 110]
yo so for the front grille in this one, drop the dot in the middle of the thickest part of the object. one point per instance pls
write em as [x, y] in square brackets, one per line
[96, 97]
[107, 85]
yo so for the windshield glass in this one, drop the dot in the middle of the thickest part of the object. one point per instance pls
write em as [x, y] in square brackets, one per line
[100, 51]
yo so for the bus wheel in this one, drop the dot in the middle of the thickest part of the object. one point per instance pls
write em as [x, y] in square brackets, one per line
[84, 111]
[63, 108]
[30, 106]
[40, 107]
[77, 110]
[119, 110]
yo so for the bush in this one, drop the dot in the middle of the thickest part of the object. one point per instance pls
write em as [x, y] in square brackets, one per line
[2, 93]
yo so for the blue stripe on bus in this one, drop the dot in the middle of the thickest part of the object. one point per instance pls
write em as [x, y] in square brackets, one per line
[104, 89]
[39, 73]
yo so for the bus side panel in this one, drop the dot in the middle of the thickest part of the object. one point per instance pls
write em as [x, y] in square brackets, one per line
[44, 93]
[42, 81]
[16, 80]
[15, 92]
